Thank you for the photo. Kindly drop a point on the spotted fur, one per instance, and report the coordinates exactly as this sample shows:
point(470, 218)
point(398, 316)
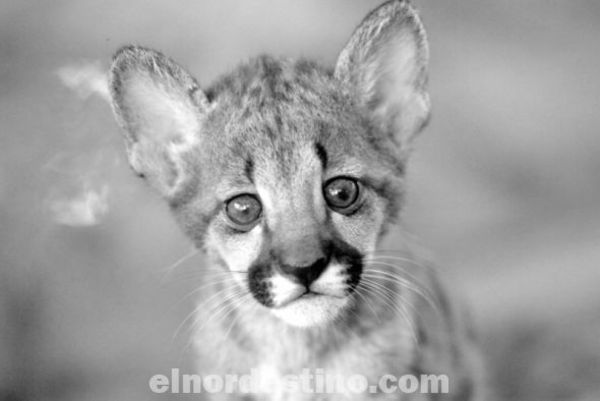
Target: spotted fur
point(306, 287)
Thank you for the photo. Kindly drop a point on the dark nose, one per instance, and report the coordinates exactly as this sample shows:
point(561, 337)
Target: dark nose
point(305, 275)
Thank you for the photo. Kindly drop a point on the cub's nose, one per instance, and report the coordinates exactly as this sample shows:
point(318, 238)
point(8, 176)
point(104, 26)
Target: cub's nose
point(305, 275)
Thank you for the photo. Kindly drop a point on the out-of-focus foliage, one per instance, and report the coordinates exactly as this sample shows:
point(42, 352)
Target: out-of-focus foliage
point(504, 185)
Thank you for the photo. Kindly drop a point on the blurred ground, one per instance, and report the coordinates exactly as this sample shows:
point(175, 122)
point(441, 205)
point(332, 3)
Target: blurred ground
point(504, 186)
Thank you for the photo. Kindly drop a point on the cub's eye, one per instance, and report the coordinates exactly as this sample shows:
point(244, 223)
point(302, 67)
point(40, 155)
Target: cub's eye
point(243, 210)
point(341, 193)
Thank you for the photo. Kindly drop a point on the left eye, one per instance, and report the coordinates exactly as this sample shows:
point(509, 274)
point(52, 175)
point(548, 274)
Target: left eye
point(341, 193)
point(243, 210)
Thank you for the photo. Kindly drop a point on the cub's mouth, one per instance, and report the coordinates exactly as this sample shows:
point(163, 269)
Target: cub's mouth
point(309, 294)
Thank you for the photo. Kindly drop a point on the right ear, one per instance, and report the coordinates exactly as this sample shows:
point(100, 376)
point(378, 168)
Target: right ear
point(384, 65)
point(161, 108)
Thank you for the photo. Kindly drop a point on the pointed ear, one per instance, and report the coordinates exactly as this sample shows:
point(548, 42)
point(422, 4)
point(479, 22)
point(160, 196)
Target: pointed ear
point(384, 65)
point(160, 107)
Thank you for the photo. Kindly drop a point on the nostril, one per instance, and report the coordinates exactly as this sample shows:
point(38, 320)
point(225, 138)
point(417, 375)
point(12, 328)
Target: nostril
point(306, 274)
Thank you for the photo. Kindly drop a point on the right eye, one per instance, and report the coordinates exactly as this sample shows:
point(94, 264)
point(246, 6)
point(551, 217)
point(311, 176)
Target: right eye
point(341, 193)
point(243, 210)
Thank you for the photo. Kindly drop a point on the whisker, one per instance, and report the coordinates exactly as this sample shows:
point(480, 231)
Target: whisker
point(396, 268)
point(390, 291)
point(222, 304)
point(196, 273)
point(378, 255)
point(412, 262)
point(429, 301)
point(416, 285)
point(397, 306)
point(222, 280)
point(357, 290)
point(201, 274)
point(422, 292)
point(225, 307)
point(169, 269)
point(382, 261)
point(197, 308)
point(241, 303)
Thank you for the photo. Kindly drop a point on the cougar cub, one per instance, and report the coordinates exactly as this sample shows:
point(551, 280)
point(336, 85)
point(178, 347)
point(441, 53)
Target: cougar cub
point(287, 174)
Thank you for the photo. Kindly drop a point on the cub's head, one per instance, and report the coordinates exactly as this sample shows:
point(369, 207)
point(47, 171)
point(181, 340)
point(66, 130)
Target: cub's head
point(285, 172)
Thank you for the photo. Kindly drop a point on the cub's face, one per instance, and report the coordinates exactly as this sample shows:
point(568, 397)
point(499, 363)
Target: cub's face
point(284, 172)
point(292, 188)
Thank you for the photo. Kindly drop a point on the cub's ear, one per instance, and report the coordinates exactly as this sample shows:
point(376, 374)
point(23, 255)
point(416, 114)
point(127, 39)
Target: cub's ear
point(160, 107)
point(384, 65)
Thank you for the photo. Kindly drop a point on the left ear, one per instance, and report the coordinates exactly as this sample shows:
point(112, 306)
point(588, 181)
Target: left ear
point(384, 65)
point(160, 107)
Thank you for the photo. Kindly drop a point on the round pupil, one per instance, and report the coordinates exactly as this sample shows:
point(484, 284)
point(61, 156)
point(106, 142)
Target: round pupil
point(342, 192)
point(244, 209)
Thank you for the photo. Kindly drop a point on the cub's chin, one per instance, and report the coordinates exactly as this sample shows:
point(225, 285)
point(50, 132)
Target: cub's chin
point(312, 310)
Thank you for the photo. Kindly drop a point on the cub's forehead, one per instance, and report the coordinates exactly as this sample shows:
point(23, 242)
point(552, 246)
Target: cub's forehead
point(273, 113)
point(275, 106)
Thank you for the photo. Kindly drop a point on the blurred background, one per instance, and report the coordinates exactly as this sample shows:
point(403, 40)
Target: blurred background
point(504, 185)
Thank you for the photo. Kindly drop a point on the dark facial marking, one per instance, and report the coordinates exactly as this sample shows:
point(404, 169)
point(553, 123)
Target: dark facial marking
point(249, 169)
point(258, 284)
point(322, 154)
point(348, 256)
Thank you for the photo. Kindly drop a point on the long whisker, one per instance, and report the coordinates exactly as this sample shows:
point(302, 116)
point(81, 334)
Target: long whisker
point(434, 307)
point(370, 280)
point(196, 273)
point(197, 308)
point(379, 255)
point(357, 290)
point(215, 310)
point(411, 262)
point(201, 274)
point(169, 269)
point(219, 312)
point(398, 306)
point(241, 303)
point(222, 280)
point(223, 306)
point(402, 267)
point(397, 269)
point(417, 287)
